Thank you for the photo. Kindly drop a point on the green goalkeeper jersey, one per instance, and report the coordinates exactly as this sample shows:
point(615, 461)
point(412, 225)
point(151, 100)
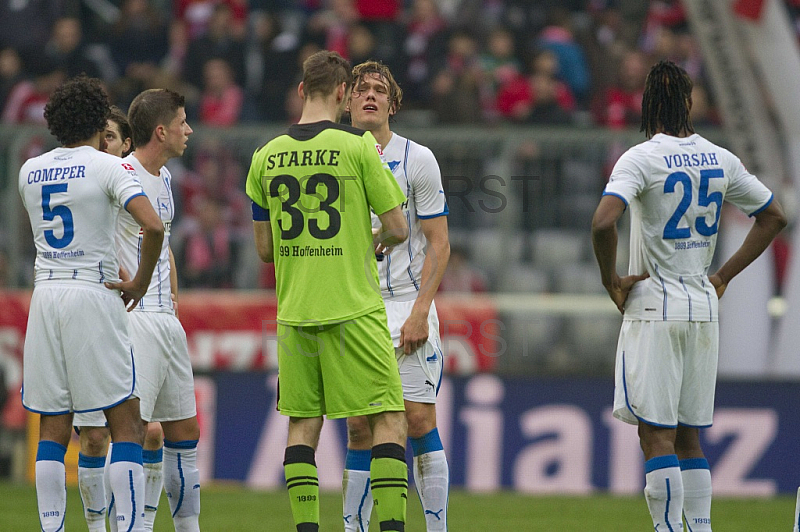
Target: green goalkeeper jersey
point(316, 185)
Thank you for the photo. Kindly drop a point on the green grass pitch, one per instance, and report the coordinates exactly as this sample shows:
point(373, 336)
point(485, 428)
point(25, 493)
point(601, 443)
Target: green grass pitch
point(233, 508)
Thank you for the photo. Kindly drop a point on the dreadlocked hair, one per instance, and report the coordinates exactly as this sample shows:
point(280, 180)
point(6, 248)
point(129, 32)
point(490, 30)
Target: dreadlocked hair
point(665, 102)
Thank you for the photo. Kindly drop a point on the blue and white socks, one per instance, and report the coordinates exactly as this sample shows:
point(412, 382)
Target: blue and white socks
point(91, 483)
point(51, 485)
point(431, 475)
point(182, 484)
point(153, 484)
point(357, 497)
point(432, 478)
point(127, 484)
point(696, 494)
point(663, 491)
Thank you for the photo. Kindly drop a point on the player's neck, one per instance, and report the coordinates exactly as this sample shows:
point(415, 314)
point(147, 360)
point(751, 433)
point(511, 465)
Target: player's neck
point(681, 135)
point(93, 141)
point(383, 135)
point(317, 110)
point(151, 157)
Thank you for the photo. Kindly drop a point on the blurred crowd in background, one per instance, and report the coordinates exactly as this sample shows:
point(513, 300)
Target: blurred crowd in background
point(578, 63)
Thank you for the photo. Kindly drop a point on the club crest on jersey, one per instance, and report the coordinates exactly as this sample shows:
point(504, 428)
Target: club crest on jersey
point(129, 167)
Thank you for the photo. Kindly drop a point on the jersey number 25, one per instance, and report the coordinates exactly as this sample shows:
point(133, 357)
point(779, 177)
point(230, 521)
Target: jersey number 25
point(704, 199)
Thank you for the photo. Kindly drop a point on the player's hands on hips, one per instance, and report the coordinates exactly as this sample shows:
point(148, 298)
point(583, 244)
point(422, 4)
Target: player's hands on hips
point(719, 284)
point(620, 287)
point(414, 332)
point(131, 291)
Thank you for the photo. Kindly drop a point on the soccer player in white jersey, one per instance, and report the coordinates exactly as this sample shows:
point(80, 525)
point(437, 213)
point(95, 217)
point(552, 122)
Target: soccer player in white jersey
point(410, 275)
point(160, 132)
point(666, 366)
point(77, 355)
point(91, 426)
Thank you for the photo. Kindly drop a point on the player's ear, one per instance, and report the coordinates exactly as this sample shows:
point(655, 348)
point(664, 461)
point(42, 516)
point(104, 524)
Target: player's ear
point(300, 91)
point(341, 92)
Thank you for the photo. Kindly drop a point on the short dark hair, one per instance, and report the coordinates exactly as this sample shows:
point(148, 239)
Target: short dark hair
point(77, 110)
point(150, 109)
point(119, 118)
point(665, 102)
point(376, 67)
point(323, 71)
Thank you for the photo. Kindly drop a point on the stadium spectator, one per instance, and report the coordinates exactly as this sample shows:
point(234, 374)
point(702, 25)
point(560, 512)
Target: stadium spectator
point(271, 58)
point(424, 47)
point(461, 275)
point(219, 42)
point(539, 98)
point(138, 39)
point(67, 50)
point(175, 60)
point(499, 67)
point(328, 28)
point(456, 88)
point(197, 15)
point(558, 36)
point(26, 101)
point(222, 99)
point(209, 252)
point(10, 72)
point(621, 104)
point(26, 25)
point(361, 44)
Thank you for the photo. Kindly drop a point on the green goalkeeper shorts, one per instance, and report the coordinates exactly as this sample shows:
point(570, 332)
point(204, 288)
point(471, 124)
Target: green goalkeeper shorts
point(339, 370)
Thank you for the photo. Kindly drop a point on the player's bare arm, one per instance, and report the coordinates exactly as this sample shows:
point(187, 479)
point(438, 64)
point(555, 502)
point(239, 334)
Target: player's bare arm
point(414, 332)
point(263, 235)
point(173, 281)
point(766, 227)
point(394, 228)
point(604, 240)
point(153, 236)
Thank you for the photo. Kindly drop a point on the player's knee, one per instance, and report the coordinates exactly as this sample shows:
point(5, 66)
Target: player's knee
point(94, 441)
point(359, 435)
point(154, 437)
point(420, 423)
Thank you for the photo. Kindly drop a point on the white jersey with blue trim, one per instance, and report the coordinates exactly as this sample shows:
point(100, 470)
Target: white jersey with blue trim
point(129, 237)
point(675, 188)
point(73, 197)
point(417, 172)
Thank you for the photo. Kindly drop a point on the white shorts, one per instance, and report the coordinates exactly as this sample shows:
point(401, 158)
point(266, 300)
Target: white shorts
point(163, 370)
point(421, 371)
point(666, 373)
point(78, 356)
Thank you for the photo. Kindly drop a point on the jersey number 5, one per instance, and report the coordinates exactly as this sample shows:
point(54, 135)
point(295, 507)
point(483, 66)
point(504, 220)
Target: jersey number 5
point(704, 199)
point(61, 211)
point(296, 212)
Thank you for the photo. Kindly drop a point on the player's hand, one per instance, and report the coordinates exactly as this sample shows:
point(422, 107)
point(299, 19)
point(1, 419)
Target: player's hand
point(380, 249)
point(414, 332)
point(131, 291)
point(123, 274)
point(620, 287)
point(719, 285)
